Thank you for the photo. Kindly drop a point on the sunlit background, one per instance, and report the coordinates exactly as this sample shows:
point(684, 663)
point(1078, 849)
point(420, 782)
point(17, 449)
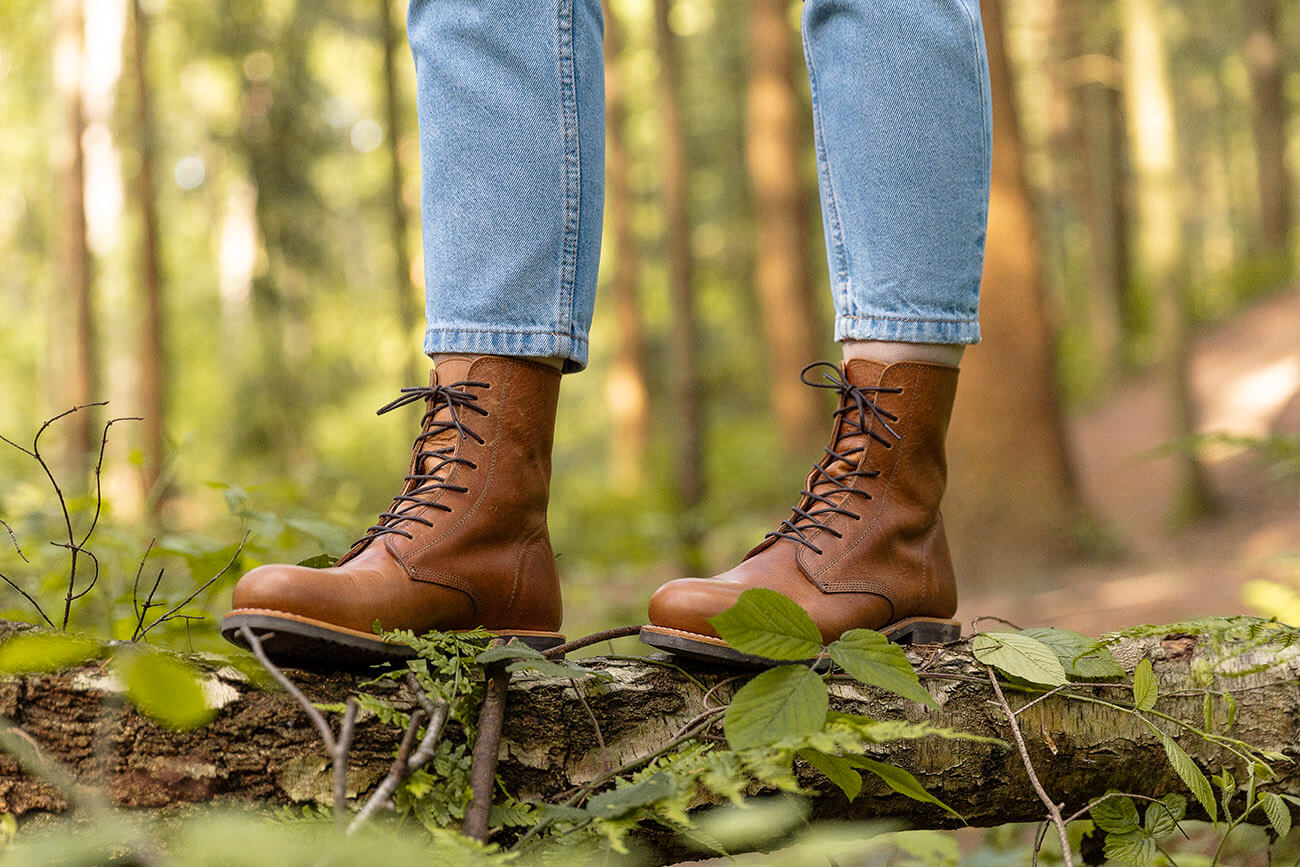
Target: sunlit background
point(209, 219)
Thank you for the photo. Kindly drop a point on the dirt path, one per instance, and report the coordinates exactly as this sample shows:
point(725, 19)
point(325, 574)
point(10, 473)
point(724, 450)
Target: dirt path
point(1246, 373)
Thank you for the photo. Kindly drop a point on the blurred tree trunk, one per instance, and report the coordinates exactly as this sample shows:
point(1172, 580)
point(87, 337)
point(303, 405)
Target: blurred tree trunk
point(152, 335)
point(1012, 479)
point(685, 342)
point(77, 314)
point(1155, 162)
point(409, 313)
point(627, 393)
point(774, 138)
point(1096, 135)
point(1269, 118)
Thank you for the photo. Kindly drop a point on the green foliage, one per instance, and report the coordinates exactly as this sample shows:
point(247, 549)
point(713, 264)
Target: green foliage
point(38, 651)
point(783, 702)
point(1145, 690)
point(1083, 658)
point(1019, 656)
point(766, 624)
point(163, 687)
point(871, 658)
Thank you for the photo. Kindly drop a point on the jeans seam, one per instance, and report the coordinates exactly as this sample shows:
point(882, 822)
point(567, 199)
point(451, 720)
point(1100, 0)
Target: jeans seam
point(842, 278)
point(886, 317)
point(572, 164)
point(977, 42)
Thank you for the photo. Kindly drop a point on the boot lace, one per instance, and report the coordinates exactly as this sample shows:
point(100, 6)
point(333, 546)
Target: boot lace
point(817, 507)
point(425, 481)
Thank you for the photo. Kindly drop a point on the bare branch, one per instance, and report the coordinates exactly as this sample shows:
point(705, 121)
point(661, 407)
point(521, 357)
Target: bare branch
point(487, 747)
point(15, 541)
point(594, 638)
point(595, 725)
point(28, 597)
point(340, 759)
point(1053, 809)
point(317, 718)
point(188, 599)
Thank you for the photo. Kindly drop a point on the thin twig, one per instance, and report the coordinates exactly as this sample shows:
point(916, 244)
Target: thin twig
point(588, 640)
point(28, 597)
point(188, 599)
point(974, 624)
point(135, 591)
point(340, 759)
point(1053, 810)
point(15, 541)
point(317, 718)
point(487, 746)
point(595, 725)
point(1048, 694)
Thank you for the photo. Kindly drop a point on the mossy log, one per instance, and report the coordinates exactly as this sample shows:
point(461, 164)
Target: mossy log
point(262, 748)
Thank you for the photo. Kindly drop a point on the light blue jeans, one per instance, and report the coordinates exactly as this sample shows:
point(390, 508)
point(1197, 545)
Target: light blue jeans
point(511, 107)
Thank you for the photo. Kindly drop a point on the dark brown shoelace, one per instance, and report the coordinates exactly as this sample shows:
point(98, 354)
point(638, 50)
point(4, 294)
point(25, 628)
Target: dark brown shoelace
point(425, 481)
point(855, 405)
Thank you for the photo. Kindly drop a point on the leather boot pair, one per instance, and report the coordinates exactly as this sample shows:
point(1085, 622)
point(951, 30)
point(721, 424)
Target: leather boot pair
point(463, 545)
point(865, 546)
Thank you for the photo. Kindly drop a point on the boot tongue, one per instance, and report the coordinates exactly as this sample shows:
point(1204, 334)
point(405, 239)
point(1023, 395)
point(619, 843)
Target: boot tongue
point(848, 438)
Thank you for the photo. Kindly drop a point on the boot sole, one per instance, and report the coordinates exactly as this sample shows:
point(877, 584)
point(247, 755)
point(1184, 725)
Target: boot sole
point(709, 648)
point(315, 644)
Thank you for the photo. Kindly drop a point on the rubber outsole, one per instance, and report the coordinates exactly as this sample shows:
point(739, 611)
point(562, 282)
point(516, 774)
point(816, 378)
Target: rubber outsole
point(708, 648)
point(311, 644)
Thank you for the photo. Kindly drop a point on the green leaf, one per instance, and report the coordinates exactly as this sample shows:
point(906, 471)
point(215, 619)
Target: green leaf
point(36, 652)
point(1133, 847)
point(1189, 773)
point(1232, 709)
point(787, 701)
point(1083, 658)
point(873, 659)
point(765, 623)
point(621, 801)
point(838, 770)
point(1162, 819)
point(1279, 815)
point(1145, 691)
point(320, 561)
point(1115, 815)
point(525, 658)
point(900, 781)
point(164, 688)
point(1019, 656)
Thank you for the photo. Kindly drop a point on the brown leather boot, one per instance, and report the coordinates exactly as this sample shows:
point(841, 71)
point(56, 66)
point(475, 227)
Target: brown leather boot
point(865, 547)
point(463, 545)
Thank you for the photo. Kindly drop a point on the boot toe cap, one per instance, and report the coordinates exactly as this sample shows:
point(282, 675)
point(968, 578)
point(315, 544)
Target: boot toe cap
point(688, 603)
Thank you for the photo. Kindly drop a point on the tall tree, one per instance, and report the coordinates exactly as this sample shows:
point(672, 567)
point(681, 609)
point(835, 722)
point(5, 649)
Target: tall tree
point(407, 305)
point(1269, 119)
point(1012, 478)
point(152, 350)
point(774, 140)
point(79, 380)
point(685, 340)
point(627, 393)
point(1152, 135)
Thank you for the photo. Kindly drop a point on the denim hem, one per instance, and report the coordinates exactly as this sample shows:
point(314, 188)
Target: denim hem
point(955, 331)
point(535, 343)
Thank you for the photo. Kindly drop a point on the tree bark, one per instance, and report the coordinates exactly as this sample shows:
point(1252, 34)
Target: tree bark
point(1269, 119)
point(79, 384)
point(688, 416)
point(626, 390)
point(407, 302)
point(1152, 134)
point(261, 747)
point(1011, 473)
point(774, 137)
point(153, 350)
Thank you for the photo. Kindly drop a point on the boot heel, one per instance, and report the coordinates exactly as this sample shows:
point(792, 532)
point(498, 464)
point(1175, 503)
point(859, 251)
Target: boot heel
point(923, 630)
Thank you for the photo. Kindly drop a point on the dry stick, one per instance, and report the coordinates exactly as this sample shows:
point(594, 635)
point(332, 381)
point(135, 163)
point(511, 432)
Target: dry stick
point(335, 748)
point(206, 584)
point(15, 540)
point(600, 736)
point(483, 766)
point(1053, 810)
point(404, 766)
point(588, 640)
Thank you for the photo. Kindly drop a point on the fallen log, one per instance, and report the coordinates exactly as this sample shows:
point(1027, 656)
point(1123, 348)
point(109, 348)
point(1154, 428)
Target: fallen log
point(262, 748)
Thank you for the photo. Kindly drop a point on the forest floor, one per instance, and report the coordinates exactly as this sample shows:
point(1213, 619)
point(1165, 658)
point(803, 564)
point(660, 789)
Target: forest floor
point(1246, 375)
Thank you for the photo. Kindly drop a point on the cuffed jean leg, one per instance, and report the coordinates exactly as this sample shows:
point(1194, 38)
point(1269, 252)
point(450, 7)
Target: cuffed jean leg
point(903, 133)
point(511, 108)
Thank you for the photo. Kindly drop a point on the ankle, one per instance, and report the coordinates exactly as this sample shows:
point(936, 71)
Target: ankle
point(889, 351)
